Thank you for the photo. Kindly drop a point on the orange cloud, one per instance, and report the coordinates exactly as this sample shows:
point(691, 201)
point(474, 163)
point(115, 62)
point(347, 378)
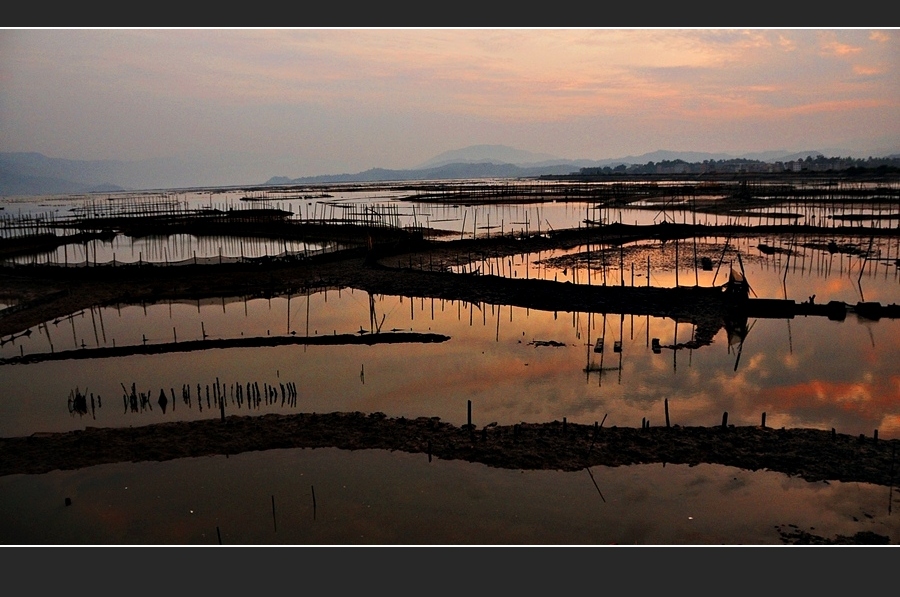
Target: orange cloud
point(786, 44)
point(869, 397)
point(867, 71)
point(837, 106)
point(840, 49)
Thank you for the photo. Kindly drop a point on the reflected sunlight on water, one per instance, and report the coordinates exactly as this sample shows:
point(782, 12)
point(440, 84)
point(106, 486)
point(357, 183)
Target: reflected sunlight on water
point(514, 365)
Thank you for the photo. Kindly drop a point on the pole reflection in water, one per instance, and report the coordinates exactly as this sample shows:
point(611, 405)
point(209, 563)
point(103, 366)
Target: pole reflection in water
point(526, 366)
point(373, 497)
point(512, 363)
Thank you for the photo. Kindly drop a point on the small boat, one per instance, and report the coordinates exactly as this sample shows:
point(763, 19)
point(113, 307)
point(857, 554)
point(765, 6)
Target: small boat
point(598, 347)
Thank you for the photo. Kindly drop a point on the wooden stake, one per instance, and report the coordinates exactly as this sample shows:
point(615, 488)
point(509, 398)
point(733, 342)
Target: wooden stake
point(667, 412)
point(725, 419)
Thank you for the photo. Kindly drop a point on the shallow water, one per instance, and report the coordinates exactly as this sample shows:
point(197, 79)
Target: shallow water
point(396, 205)
point(806, 371)
point(801, 372)
point(370, 497)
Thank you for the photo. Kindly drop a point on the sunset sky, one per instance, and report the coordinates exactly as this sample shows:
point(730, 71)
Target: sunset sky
point(256, 103)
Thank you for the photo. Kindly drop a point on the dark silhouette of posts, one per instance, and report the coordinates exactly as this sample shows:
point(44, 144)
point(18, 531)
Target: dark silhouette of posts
point(667, 413)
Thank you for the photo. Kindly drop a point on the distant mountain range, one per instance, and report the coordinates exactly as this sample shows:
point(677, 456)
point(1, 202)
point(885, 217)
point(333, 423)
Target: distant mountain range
point(501, 161)
point(453, 171)
point(37, 174)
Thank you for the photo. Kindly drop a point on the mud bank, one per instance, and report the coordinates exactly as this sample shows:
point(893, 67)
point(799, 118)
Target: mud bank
point(248, 342)
point(814, 455)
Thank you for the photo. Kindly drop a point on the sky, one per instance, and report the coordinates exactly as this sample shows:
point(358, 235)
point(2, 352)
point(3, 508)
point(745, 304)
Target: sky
point(253, 103)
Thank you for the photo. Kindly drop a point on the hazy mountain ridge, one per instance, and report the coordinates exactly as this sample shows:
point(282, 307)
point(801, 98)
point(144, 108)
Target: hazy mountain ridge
point(493, 154)
point(31, 173)
point(453, 171)
point(501, 161)
point(36, 174)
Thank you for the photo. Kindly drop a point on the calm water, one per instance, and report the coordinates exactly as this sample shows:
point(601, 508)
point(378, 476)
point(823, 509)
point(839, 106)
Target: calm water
point(803, 372)
point(377, 498)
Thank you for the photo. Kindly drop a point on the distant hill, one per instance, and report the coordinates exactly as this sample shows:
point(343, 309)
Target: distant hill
point(452, 171)
point(503, 154)
point(502, 161)
point(37, 174)
point(663, 155)
point(488, 154)
point(12, 183)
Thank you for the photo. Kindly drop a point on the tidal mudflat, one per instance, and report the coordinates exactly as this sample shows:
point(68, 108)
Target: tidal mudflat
point(579, 339)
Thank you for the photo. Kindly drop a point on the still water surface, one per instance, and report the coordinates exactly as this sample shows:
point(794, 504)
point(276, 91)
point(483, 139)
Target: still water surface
point(802, 372)
point(327, 497)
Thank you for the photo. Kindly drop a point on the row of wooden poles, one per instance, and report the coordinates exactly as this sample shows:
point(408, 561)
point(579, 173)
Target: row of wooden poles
point(379, 215)
point(92, 213)
point(216, 396)
point(645, 424)
point(836, 190)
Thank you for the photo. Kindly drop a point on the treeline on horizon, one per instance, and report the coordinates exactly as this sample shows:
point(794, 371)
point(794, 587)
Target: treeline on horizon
point(844, 165)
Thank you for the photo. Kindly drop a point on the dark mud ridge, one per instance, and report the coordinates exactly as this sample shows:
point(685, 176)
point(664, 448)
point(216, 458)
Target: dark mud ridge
point(246, 342)
point(814, 455)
